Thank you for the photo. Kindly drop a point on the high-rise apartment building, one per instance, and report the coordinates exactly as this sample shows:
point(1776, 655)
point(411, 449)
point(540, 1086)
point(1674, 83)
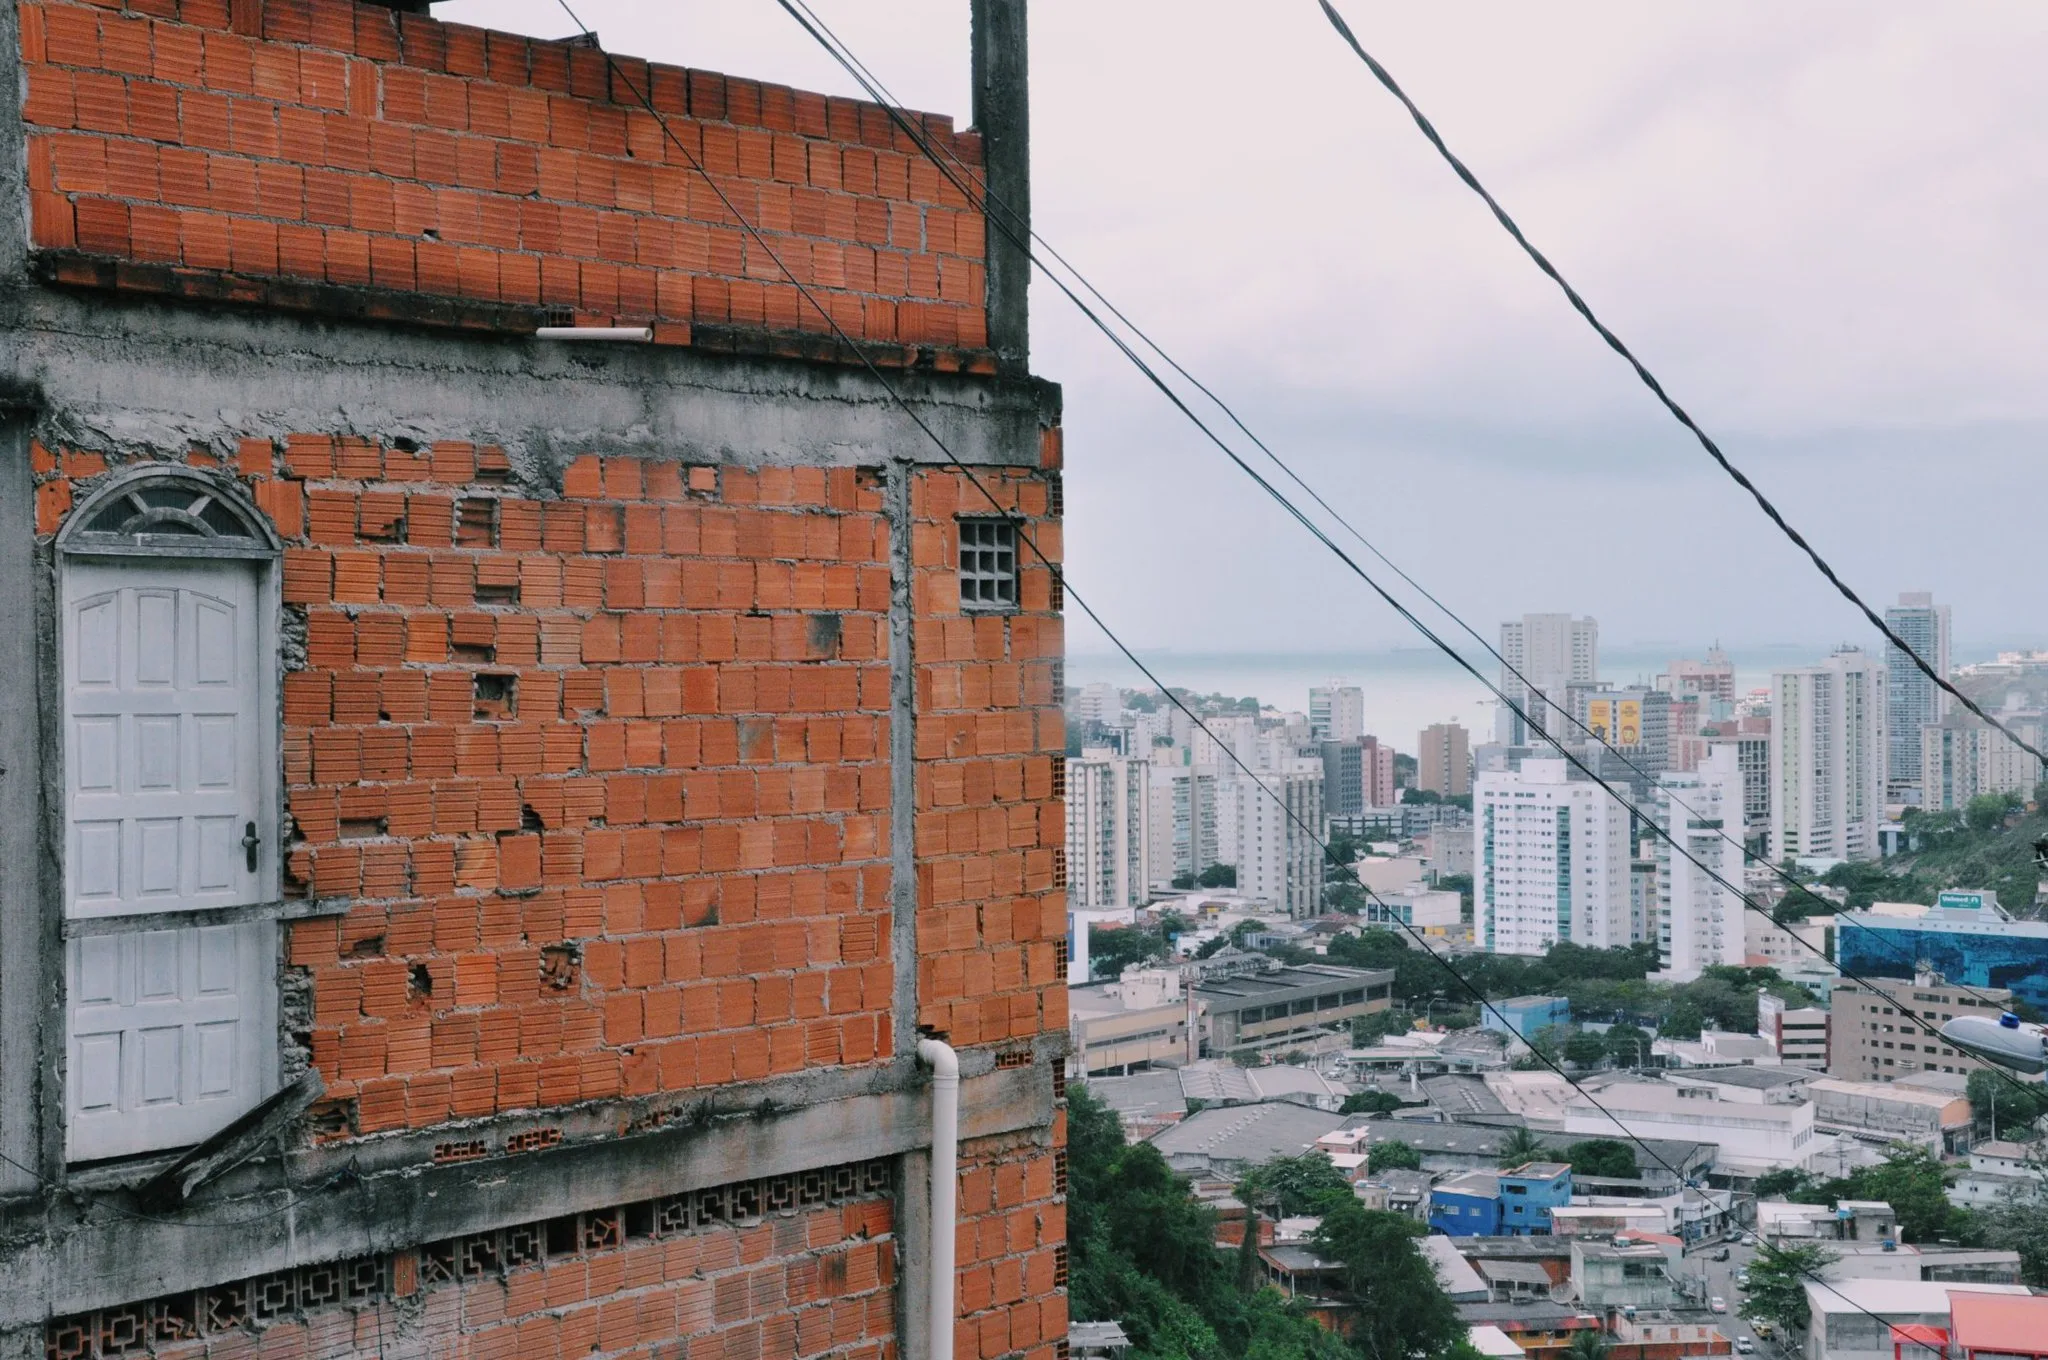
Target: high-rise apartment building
point(1828, 758)
point(1712, 680)
point(1879, 1028)
point(1962, 757)
point(1443, 760)
point(1699, 897)
point(1097, 703)
point(1551, 652)
point(1278, 820)
point(1184, 821)
point(1751, 740)
point(1109, 816)
point(1343, 778)
point(1376, 770)
point(1552, 861)
point(1336, 712)
point(1631, 734)
point(1913, 702)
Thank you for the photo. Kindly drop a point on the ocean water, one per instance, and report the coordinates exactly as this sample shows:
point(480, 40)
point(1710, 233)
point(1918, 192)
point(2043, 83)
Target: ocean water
point(1406, 689)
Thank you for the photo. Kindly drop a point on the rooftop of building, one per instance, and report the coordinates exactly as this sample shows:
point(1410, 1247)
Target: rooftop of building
point(1479, 1184)
point(1657, 1097)
point(1538, 1171)
point(1896, 1298)
point(1491, 1341)
point(1507, 1271)
point(2011, 1151)
point(1525, 1002)
point(1891, 1091)
point(1247, 1133)
point(1215, 1079)
point(1140, 1093)
point(1529, 1247)
point(1301, 977)
point(1753, 1078)
point(1456, 1095)
point(1632, 1249)
point(2000, 1324)
point(1100, 1000)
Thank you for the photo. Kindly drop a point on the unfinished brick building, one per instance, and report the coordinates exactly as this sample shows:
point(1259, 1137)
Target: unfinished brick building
point(487, 819)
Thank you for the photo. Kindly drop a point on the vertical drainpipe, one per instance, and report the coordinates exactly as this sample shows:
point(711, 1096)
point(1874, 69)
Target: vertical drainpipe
point(1002, 115)
point(945, 1065)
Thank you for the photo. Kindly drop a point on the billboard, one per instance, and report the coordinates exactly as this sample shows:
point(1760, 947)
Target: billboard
point(1619, 722)
point(1600, 717)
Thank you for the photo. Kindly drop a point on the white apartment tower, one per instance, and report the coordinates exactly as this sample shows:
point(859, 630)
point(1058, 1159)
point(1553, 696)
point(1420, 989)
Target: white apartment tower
point(1552, 652)
point(1963, 757)
point(1551, 861)
point(1699, 921)
point(1336, 712)
point(1828, 758)
point(1109, 814)
point(1184, 810)
point(1912, 701)
point(1278, 857)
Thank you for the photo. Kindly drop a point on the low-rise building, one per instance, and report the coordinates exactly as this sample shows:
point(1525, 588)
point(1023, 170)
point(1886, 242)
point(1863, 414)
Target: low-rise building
point(1881, 1027)
point(2000, 1173)
point(1430, 910)
point(1997, 1327)
point(1286, 1005)
point(1624, 1272)
point(1228, 1140)
point(1854, 1319)
point(1798, 1033)
point(1514, 1203)
point(1885, 1112)
point(1779, 1222)
point(1218, 1081)
point(1396, 1192)
point(1752, 1138)
point(1134, 1021)
point(1524, 1016)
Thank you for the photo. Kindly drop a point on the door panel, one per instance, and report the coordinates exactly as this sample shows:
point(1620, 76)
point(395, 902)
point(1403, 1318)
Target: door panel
point(171, 1032)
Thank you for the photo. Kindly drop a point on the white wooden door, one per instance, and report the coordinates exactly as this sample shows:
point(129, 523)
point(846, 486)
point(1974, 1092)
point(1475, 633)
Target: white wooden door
point(170, 1030)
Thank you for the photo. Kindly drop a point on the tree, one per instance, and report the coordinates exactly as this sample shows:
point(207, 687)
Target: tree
point(1987, 811)
point(1183, 881)
point(1628, 1045)
point(1402, 1309)
point(1914, 1183)
point(1111, 949)
point(1370, 1102)
point(2017, 1104)
point(1520, 1146)
point(1421, 796)
point(1585, 1049)
point(1783, 1183)
point(1392, 1155)
point(1218, 876)
point(2019, 1225)
point(1305, 1184)
point(1548, 1043)
point(1370, 1028)
point(1777, 1285)
point(1588, 1344)
point(1603, 1157)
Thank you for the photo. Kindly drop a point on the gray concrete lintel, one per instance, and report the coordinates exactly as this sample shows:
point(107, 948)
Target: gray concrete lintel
point(143, 376)
point(105, 1257)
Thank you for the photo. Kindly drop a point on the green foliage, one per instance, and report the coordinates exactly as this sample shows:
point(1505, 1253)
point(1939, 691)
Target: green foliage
point(1183, 881)
point(1369, 1029)
point(1585, 1049)
point(1777, 1285)
point(1111, 949)
point(1783, 1183)
point(1987, 811)
point(1627, 1045)
point(1370, 1102)
point(1910, 1179)
point(1305, 1184)
point(1218, 876)
point(1392, 1155)
point(1521, 1145)
point(1402, 1310)
point(2018, 1104)
point(1420, 797)
point(2018, 1225)
point(1603, 1157)
point(1969, 848)
point(1588, 1344)
point(1211, 947)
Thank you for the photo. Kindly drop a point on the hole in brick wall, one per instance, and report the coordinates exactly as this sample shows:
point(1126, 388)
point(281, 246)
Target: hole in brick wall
point(419, 980)
point(492, 465)
point(497, 697)
point(640, 1219)
point(529, 820)
point(385, 526)
point(1055, 495)
point(564, 1235)
point(476, 522)
point(533, 1140)
point(367, 947)
point(561, 316)
point(466, 1150)
point(404, 444)
point(1059, 1081)
point(362, 828)
point(1059, 1172)
point(561, 965)
point(1020, 1057)
point(1059, 776)
point(497, 592)
point(331, 1118)
point(473, 653)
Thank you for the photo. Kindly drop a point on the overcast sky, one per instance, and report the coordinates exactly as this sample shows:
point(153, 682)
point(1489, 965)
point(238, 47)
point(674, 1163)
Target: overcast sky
point(1822, 225)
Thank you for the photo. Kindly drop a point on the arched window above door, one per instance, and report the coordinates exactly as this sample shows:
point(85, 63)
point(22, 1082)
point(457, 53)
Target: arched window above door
point(168, 511)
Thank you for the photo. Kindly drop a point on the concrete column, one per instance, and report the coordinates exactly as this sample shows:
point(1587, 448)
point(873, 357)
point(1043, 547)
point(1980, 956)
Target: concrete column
point(1002, 114)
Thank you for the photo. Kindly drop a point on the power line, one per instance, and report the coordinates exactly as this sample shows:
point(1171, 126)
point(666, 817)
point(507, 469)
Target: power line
point(1649, 380)
point(940, 156)
point(1024, 536)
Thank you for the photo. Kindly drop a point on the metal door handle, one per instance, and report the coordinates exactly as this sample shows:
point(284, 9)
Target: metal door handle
point(250, 845)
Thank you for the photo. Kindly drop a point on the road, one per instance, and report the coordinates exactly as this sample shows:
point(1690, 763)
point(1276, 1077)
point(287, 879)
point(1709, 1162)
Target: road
point(1720, 1277)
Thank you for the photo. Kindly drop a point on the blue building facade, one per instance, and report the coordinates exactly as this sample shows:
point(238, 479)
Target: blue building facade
point(1513, 1203)
point(1966, 937)
point(1526, 1015)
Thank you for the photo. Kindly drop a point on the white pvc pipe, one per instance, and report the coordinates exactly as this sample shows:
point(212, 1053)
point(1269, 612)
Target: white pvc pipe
point(631, 334)
point(945, 1065)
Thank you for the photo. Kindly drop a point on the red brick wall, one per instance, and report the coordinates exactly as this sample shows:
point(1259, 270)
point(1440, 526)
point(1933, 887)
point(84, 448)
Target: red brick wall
point(1010, 1249)
point(322, 141)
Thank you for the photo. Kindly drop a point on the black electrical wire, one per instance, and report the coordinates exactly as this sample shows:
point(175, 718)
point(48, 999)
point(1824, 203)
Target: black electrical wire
point(1005, 222)
point(1649, 380)
point(1025, 538)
